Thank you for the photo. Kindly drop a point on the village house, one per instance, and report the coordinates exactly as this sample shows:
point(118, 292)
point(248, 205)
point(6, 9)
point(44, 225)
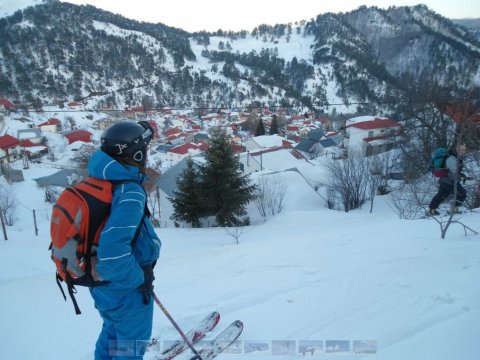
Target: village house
point(6, 106)
point(316, 144)
point(34, 135)
point(179, 152)
point(10, 149)
point(171, 132)
point(467, 117)
point(78, 135)
point(32, 150)
point(273, 158)
point(373, 135)
point(263, 142)
point(52, 125)
point(102, 124)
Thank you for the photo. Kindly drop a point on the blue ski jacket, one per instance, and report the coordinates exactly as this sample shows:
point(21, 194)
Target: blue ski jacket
point(117, 262)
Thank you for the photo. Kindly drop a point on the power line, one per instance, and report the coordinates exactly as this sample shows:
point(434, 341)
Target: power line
point(216, 108)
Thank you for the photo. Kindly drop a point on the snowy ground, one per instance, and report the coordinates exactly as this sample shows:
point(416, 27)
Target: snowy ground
point(308, 274)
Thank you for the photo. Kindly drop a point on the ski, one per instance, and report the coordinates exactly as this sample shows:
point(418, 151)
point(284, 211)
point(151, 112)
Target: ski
point(194, 335)
point(221, 342)
point(443, 214)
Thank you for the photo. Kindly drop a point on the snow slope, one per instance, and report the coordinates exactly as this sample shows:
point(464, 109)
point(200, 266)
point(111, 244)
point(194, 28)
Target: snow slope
point(307, 274)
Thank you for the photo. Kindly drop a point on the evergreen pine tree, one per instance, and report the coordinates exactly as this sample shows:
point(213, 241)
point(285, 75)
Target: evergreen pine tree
point(274, 126)
point(226, 189)
point(187, 202)
point(260, 130)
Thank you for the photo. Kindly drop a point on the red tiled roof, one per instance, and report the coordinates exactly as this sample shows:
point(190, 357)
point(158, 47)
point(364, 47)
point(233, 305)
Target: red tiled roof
point(51, 121)
point(460, 111)
point(175, 136)
point(373, 138)
point(171, 132)
point(8, 141)
point(375, 124)
point(203, 146)
point(79, 135)
point(297, 117)
point(27, 143)
point(236, 148)
point(74, 103)
point(7, 103)
point(286, 144)
point(183, 149)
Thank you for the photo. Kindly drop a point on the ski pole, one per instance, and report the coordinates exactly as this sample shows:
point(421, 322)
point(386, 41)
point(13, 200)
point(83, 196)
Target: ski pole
point(182, 334)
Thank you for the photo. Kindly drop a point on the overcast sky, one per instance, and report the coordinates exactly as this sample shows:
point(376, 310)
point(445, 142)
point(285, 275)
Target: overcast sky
point(211, 15)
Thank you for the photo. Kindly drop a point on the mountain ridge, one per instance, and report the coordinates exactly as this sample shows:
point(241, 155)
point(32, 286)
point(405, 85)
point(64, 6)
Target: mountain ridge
point(59, 51)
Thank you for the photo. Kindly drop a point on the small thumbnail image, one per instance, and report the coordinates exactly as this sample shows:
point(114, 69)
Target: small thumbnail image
point(310, 347)
point(169, 344)
point(284, 347)
point(152, 347)
point(234, 349)
point(205, 345)
point(337, 346)
point(121, 348)
point(364, 347)
point(257, 347)
point(148, 348)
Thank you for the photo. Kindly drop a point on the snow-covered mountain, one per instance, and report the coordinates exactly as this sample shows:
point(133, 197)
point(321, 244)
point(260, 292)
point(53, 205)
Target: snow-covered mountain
point(59, 51)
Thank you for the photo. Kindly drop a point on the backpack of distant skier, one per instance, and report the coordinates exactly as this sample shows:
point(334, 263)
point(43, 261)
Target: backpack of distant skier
point(437, 166)
point(78, 217)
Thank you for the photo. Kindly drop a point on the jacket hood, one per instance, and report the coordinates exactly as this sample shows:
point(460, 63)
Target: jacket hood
point(103, 166)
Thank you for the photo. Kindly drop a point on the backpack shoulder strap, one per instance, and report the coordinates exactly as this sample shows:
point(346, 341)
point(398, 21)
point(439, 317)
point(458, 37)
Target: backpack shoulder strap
point(146, 211)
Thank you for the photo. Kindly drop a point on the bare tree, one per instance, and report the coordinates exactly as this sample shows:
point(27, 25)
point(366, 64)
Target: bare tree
point(270, 197)
point(349, 178)
point(236, 232)
point(8, 204)
point(332, 197)
point(83, 155)
point(411, 198)
point(426, 129)
point(379, 166)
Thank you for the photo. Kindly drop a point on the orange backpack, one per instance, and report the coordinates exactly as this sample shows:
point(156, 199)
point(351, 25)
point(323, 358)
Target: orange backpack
point(78, 217)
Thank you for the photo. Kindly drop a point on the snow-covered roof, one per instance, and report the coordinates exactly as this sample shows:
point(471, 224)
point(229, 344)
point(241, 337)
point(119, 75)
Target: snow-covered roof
point(360, 119)
point(266, 141)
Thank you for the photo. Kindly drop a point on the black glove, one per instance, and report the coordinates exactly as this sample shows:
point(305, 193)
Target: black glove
point(147, 287)
point(462, 177)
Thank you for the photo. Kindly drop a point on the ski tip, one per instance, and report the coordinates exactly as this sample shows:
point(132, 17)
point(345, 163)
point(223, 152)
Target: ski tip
point(216, 318)
point(238, 323)
point(215, 314)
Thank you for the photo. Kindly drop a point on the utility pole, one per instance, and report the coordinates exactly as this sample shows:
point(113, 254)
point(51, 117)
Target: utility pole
point(3, 224)
point(158, 204)
point(35, 222)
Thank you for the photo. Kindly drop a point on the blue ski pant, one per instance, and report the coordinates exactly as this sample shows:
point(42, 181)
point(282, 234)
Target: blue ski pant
point(127, 325)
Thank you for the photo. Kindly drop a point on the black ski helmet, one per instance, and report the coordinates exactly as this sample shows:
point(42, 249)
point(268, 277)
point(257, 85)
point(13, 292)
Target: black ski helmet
point(128, 140)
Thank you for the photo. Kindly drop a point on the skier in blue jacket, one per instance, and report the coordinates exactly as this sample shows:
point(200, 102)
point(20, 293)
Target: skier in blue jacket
point(125, 302)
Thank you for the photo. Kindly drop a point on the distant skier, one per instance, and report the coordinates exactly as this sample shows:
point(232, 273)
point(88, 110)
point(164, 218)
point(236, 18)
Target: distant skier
point(447, 182)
